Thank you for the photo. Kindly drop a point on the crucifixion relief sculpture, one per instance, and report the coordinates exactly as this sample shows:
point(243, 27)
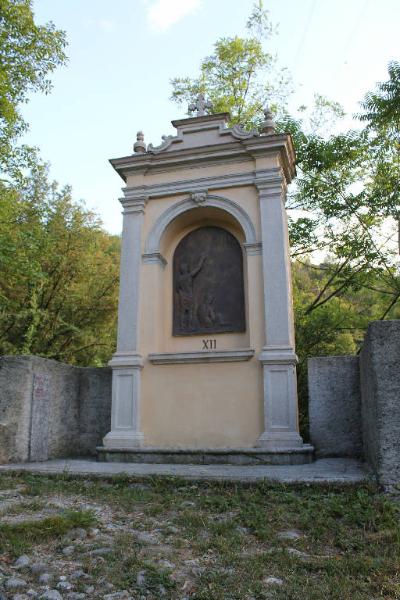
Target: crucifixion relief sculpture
point(208, 283)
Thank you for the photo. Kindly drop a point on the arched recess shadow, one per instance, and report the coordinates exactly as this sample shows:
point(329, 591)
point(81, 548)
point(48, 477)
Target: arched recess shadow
point(152, 246)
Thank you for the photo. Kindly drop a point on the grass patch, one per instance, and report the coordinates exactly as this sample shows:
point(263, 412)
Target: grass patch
point(222, 538)
point(17, 538)
point(126, 568)
point(23, 507)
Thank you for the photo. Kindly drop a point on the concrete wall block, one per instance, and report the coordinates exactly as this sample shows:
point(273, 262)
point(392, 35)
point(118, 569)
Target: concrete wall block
point(95, 407)
point(380, 391)
point(49, 409)
point(335, 406)
point(16, 380)
point(63, 408)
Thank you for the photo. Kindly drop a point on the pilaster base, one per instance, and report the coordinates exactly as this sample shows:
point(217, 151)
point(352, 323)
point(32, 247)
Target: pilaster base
point(125, 431)
point(123, 440)
point(280, 399)
point(278, 440)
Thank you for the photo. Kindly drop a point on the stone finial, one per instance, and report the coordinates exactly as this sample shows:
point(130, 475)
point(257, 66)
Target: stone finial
point(201, 105)
point(139, 146)
point(268, 126)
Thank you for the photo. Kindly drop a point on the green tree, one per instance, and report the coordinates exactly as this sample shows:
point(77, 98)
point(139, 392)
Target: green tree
point(382, 117)
point(59, 276)
point(239, 76)
point(58, 267)
point(382, 107)
point(28, 53)
point(348, 190)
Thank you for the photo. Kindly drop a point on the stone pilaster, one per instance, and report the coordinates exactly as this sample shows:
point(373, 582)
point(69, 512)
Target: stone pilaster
point(127, 362)
point(278, 356)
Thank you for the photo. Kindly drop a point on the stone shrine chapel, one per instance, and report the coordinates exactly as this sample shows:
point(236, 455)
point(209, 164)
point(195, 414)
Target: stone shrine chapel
point(205, 361)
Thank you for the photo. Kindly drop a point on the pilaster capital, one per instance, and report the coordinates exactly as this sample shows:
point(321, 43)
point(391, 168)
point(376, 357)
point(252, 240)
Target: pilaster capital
point(133, 205)
point(154, 258)
point(270, 182)
point(253, 248)
point(271, 355)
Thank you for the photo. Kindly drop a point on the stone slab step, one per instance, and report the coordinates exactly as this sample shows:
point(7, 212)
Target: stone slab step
point(334, 471)
point(209, 456)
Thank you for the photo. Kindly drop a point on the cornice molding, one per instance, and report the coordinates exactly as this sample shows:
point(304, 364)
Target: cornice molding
point(247, 146)
point(201, 356)
point(200, 184)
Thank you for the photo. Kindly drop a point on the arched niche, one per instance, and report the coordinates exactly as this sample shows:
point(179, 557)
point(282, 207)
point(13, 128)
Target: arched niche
point(208, 283)
point(207, 216)
point(159, 300)
point(212, 207)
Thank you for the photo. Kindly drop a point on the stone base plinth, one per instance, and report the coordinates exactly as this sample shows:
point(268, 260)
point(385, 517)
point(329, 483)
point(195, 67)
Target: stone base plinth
point(208, 456)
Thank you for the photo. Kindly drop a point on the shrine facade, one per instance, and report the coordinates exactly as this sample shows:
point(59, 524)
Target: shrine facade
point(205, 354)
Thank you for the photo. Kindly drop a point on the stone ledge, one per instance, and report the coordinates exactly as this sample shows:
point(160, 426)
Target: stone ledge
point(209, 456)
point(336, 471)
point(200, 356)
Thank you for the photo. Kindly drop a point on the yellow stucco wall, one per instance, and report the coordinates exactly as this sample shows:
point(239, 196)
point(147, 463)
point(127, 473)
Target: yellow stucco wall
point(212, 405)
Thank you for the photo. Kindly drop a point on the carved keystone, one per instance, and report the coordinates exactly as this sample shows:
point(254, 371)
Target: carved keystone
point(198, 197)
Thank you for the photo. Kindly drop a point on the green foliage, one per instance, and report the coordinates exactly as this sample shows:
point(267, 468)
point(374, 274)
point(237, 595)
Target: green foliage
point(58, 267)
point(382, 115)
point(382, 107)
point(28, 53)
point(59, 275)
point(348, 193)
point(237, 77)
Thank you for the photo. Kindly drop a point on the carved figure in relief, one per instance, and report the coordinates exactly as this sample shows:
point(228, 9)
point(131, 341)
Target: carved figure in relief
point(184, 289)
point(206, 311)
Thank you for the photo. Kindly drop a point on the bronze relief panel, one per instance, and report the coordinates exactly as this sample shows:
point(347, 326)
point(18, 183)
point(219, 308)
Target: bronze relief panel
point(208, 283)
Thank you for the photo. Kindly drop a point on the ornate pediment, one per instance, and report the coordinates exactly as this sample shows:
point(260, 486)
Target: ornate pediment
point(201, 130)
point(207, 130)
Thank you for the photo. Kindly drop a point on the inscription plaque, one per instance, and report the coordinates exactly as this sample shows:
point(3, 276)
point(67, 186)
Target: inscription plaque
point(208, 283)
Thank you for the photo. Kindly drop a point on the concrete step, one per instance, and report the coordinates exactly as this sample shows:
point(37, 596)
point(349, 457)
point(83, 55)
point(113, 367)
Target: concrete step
point(209, 456)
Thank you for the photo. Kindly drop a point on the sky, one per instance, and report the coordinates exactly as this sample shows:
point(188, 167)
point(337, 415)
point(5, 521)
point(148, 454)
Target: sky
point(122, 55)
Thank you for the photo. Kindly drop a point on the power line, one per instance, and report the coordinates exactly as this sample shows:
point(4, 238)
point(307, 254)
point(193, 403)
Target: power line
point(352, 35)
point(356, 27)
point(303, 37)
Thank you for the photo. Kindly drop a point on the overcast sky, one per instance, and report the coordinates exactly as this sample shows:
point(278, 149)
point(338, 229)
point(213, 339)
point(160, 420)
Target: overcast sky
point(122, 55)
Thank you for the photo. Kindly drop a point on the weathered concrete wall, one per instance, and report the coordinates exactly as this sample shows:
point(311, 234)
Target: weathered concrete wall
point(94, 407)
point(16, 382)
point(380, 404)
point(48, 409)
point(355, 403)
point(334, 406)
